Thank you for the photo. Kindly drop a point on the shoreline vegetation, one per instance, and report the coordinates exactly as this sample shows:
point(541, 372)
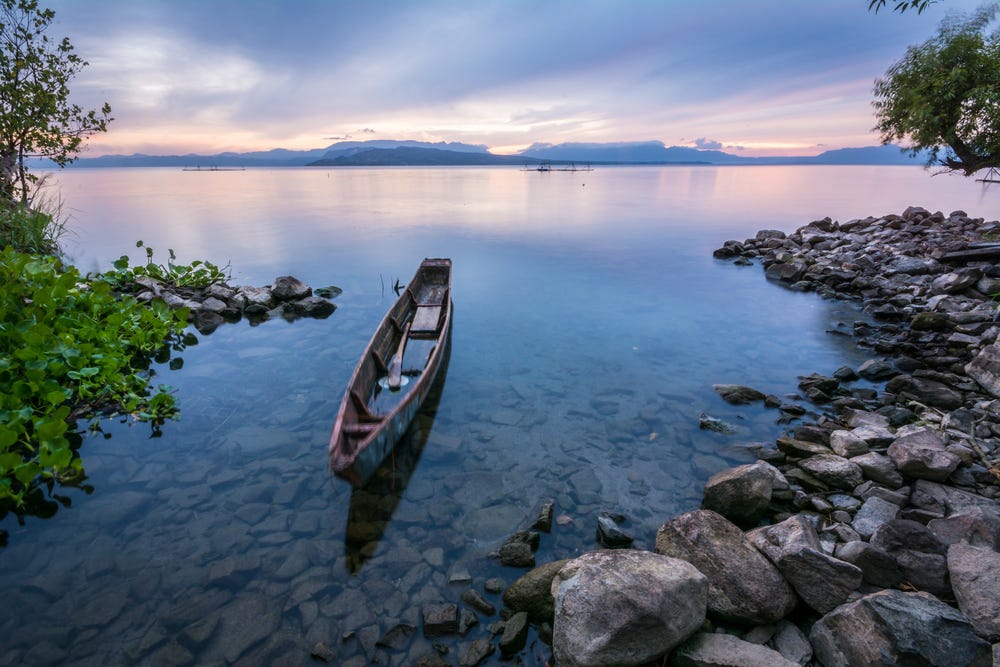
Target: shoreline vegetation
point(82, 348)
point(868, 533)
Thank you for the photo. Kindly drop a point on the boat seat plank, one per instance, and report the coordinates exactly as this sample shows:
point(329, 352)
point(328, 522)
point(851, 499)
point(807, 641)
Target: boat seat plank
point(360, 429)
point(426, 319)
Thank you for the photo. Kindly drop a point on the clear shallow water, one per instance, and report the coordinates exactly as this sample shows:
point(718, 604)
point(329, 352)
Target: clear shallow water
point(590, 323)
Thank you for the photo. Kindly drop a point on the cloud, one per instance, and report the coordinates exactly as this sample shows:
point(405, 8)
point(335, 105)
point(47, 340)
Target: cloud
point(707, 144)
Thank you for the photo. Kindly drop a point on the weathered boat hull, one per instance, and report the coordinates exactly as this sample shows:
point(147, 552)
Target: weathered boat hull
point(366, 432)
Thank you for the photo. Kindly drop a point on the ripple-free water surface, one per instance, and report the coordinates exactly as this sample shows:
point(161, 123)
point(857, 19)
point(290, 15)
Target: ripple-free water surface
point(590, 324)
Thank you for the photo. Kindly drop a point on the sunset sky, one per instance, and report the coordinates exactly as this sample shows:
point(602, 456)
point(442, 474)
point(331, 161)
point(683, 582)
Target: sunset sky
point(767, 77)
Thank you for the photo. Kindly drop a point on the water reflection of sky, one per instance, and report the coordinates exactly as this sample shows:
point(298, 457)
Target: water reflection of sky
point(590, 323)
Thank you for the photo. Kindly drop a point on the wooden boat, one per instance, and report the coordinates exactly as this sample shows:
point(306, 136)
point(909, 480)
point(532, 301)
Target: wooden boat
point(394, 375)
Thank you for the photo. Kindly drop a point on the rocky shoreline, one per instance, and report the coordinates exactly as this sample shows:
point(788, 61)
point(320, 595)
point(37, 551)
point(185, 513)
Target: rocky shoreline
point(870, 535)
point(211, 306)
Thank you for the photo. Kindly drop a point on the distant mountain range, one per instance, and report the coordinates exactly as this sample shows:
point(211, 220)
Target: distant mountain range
point(419, 153)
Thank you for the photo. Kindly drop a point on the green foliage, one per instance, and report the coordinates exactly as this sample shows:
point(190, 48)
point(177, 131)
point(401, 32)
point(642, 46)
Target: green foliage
point(901, 5)
point(36, 116)
point(28, 230)
point(199, 273)
point(943, 95)
point(69, 347)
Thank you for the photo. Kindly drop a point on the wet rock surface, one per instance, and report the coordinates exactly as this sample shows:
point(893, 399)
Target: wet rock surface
point(287, 297)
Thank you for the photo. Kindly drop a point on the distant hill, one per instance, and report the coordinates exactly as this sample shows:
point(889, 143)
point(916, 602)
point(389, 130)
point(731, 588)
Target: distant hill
point(656, 152)
point(414, 153)
point(410, 156)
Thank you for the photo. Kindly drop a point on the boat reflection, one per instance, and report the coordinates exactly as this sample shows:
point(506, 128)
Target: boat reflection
point(372, 506)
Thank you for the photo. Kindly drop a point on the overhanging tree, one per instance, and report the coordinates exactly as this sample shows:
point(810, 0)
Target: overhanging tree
point(901, 5)
point(36, 117)
point(944, 95)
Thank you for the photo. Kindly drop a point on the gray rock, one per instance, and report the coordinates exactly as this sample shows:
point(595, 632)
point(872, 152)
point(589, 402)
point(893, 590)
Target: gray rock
point(822, 581)
point(255, 296)
point(975, 578)
point(624, 607)
point(476, 652)
point(609, 534)
point(706, 649)
point(956, 281)
point(440, 619)
point(985, 369)
point(877, 567)
point(517, 554)
point(740, 494)
point(913, 266)
point(475, 599)
point(845, 443)
point(873, 514)
point(946, 500)
point(833, 470)
point(398, 637)
point(979, 526)
point(531, 593)
point(288, 288)
point(923, 390)
point(896, 628)
point(738, 394)
point(878, 468)
point(792, 643)
point(245, 622)
point(923, 454)
point(543, 520)
point(744, 586)
point(310, 306)
point(877, 370)
point(515, 634)
point(919, 555)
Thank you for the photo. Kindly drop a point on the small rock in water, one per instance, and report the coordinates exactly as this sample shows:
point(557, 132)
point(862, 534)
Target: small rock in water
point(707, 423)
point(609, 534)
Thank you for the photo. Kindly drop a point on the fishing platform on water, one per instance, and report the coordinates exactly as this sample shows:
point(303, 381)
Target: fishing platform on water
point(547, 166)
point(214, 169)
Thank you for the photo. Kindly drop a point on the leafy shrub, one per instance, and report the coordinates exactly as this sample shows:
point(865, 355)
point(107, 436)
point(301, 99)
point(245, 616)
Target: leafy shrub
point(198, 273)
point(69, 347)
point(28, 229)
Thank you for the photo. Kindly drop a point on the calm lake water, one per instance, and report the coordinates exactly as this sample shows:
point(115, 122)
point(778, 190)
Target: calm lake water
point(590, 324)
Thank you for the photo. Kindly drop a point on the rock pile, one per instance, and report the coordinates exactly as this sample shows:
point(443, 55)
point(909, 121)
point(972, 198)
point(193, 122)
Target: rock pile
point(209, 307)
point(869, 536)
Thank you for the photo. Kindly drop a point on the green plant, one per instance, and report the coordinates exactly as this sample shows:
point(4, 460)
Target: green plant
point(69, 348)
point(29, 230)
point(199, 273)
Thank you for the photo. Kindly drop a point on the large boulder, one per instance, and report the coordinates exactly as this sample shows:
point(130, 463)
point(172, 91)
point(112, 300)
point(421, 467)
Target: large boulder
point(985, 369)
point(710, 649)
point(896, 628)
point(833, 470)
point(877, 567)
point(975, 578)
point(289, 288)
point(979, 526)
point(741, 494)
point(919, 555)
point(923, 454)
point(744, 587)
point(923, 390)
point(942, 500)
point(873, 514)
point(822, 581)
point(532, 592)
point(624, 607)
